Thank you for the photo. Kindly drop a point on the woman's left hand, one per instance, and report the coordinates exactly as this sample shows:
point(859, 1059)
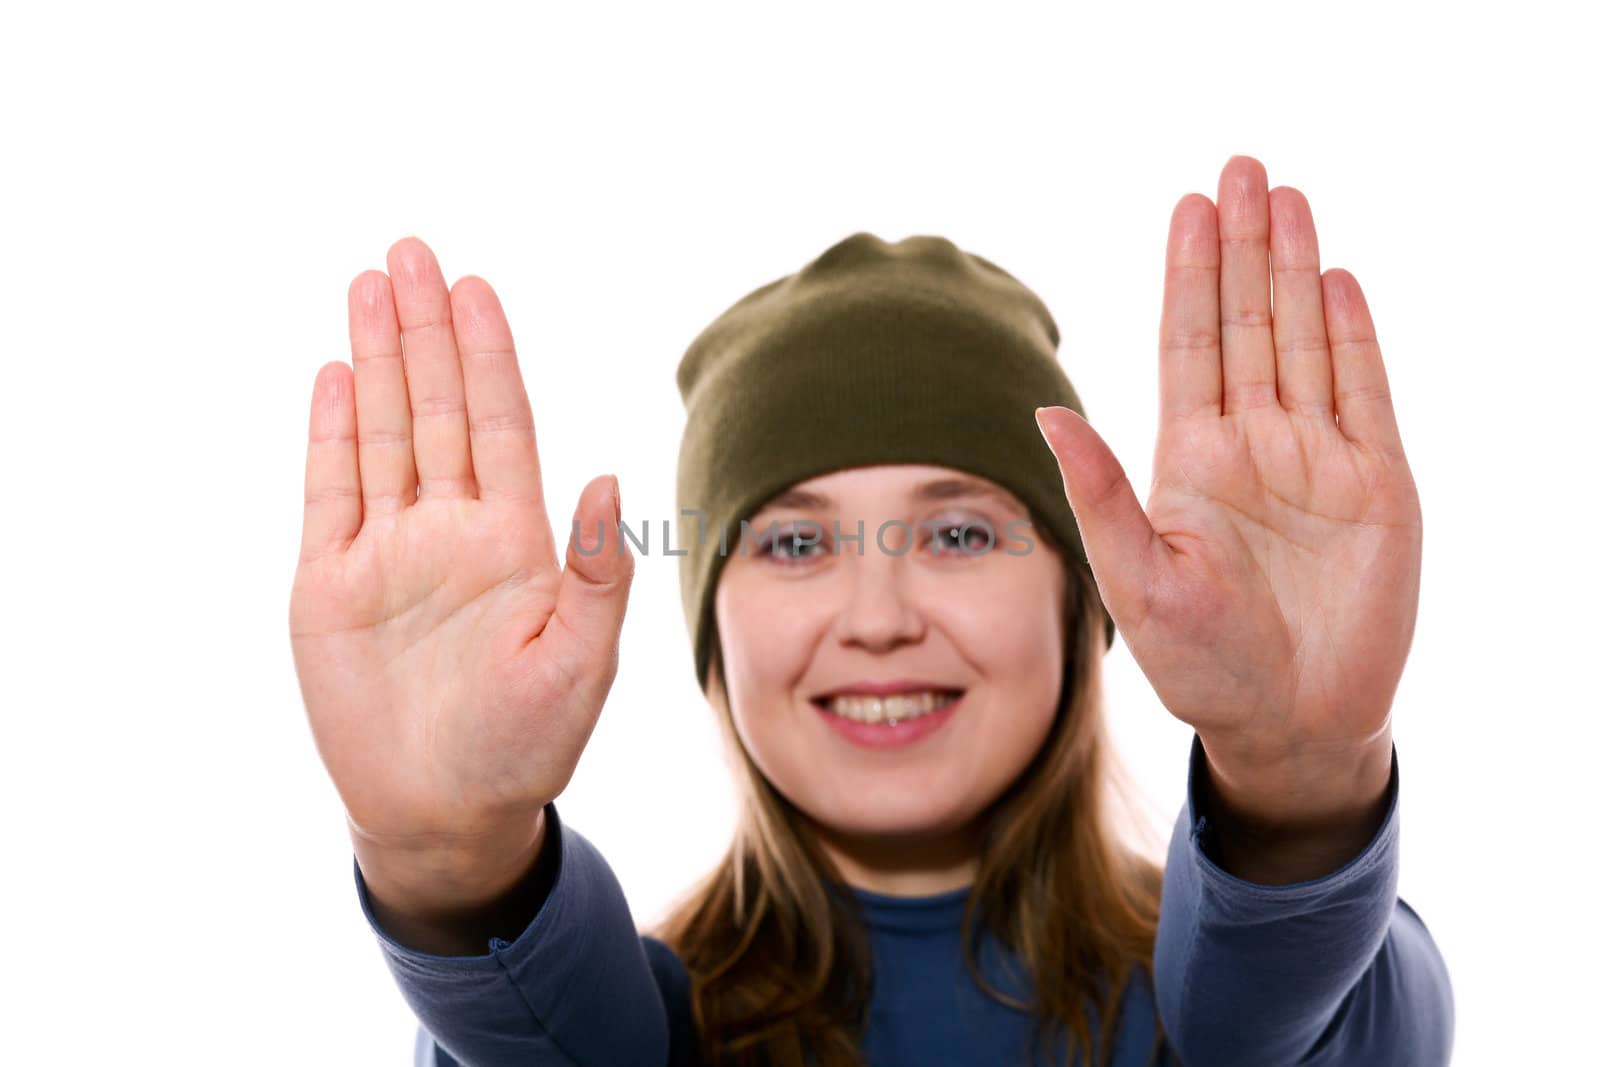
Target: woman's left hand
point(1269, 588)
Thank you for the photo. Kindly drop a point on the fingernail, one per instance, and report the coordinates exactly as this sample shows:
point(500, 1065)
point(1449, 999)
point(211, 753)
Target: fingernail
point(616, 499)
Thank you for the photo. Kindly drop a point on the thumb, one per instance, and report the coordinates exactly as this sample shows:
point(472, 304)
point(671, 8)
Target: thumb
point(1117, 537)
point(599, 569)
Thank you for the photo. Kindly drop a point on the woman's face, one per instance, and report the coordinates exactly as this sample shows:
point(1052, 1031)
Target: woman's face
point(801, 613)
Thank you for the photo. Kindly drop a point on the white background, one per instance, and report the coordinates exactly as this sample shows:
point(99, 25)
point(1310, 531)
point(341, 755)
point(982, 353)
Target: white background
point(188, 191)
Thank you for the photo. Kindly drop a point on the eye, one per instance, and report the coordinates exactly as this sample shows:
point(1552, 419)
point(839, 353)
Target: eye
point(973, 537)
point(788, 546)
point(800, 541)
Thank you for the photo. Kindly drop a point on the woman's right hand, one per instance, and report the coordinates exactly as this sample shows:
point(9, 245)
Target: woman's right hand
point(451, 669)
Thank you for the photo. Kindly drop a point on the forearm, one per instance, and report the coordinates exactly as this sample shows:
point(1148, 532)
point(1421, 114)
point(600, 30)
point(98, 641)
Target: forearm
point(451, 902)
point(1249, 973)
point(569, 983)
point(1294, 816)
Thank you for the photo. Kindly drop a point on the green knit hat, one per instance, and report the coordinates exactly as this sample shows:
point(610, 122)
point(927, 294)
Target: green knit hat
point(873, 353)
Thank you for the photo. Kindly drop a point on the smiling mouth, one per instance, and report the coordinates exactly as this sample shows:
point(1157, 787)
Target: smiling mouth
point(892, 709)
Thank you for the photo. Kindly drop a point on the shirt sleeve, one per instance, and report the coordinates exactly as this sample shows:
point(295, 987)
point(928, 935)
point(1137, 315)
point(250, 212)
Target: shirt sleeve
point(575, 989)
point(1333, 971)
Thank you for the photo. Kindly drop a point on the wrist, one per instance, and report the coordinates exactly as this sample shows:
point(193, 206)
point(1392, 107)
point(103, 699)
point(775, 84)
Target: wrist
point(1298, 817)
point(438, 882)
point(1307, 784)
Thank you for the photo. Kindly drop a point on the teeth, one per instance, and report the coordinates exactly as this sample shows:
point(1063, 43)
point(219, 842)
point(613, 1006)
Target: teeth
point(895, 709)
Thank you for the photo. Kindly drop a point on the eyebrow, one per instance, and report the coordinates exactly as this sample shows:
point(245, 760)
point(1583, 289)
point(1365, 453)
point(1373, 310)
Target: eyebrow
point(939, 489)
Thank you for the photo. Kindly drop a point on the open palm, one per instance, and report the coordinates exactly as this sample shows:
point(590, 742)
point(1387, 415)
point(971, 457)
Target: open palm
point(451, 669)
point(1269, 589)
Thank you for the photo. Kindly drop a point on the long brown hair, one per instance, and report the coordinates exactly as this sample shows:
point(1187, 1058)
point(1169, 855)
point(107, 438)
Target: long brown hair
point(780, 966)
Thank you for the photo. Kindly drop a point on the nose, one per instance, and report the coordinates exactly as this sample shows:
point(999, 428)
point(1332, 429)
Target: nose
point(879, 613)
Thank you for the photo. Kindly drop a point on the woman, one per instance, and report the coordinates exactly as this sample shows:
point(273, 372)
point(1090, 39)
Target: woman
point(897, 617)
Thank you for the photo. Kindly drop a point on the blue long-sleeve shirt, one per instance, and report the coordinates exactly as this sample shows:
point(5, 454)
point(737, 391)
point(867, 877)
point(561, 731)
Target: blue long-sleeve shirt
point(1334, 971)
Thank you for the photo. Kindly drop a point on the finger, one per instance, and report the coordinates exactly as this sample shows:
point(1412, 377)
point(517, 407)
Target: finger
point(1191, 348)
point(333, 474)
point(383, 410)
point(1360, 384)
point(1249, 377)
point(433, 372)
point(1305, 378)
point(505, 455)
point(1117, 536)
point(594, 584)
